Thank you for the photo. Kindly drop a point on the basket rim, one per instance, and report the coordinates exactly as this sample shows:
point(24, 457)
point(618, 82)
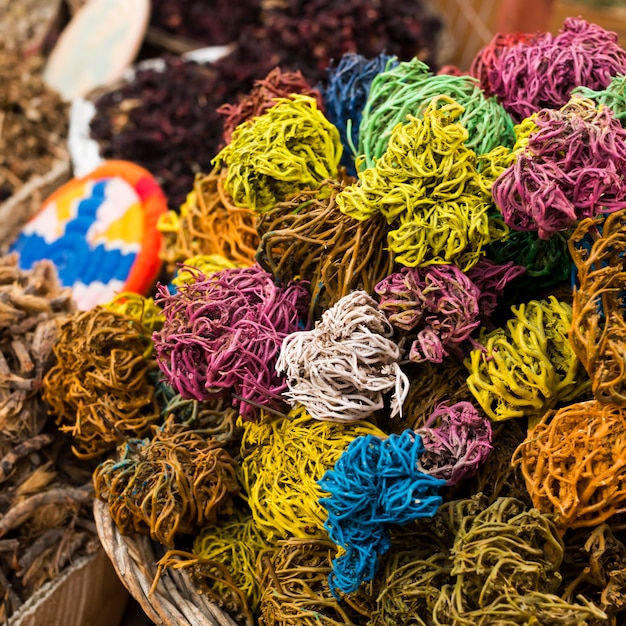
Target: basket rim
point(174, 602)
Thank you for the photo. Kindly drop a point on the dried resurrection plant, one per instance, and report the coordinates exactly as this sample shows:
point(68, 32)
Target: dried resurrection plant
point(291, 146)
point(528, 366)
point(505, 569)
point(295, 588)
point(594, 566)
point(308, 237)
point(209, 223)
point(236, 544)
point(341, 369)
point(497, 477)
point(457, 440)
point(571, 169)
point(222, 335)
point(281, 461)
point(438, 303)
point(173, 484)
point(263, 96)
point(374, 483)
point(574, 463)
point(598, 331)
point(428, 187)
point(100, 388)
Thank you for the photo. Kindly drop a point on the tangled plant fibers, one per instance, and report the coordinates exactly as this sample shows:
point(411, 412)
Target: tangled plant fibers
point(281, 461)
point(457, 440)
point(308, 237)
point(290, 147)
point(101, 388)
point(571, 168)
point(342, 368)
point(527, 367)
point(170, 485)
point(542, 72)
point(574, 462)
point(375, 482)
point(223, 332)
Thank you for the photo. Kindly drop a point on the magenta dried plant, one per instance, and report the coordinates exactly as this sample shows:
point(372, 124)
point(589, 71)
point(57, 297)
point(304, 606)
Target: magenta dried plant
point(223, 333)
point(436, 305)
point(572, 168)
point(457, 441)
point(542, 72)
point(491, 280)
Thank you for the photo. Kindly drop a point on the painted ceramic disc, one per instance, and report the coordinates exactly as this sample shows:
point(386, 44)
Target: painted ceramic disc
point(100, 232)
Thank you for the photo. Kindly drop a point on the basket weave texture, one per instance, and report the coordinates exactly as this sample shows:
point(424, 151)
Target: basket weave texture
point(174, 602)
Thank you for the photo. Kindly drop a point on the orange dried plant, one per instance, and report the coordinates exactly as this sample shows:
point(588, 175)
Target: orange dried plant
point(209, 223)
point(574, 463)
point(598, 330)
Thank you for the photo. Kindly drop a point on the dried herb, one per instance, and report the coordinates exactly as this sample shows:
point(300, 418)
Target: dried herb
point(27, 26)
point(99, 389)
point(213, 23)
point(209, 223)
point(165, 121)
point(295, 588)
point(598, 331)
point(574, 463)
point(33, 122)
point(172, 484)
point(309, 34)
point(308, 236)
point(277, 84)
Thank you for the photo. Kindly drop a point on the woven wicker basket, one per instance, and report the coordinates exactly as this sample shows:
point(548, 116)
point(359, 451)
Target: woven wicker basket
point(174, 601)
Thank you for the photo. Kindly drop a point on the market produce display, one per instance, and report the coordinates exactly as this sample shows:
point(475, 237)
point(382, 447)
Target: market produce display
point(380, 380)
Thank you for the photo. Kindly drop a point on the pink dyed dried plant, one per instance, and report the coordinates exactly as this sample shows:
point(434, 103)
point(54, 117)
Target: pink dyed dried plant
point(223, 333)
point(439, 302)
point(457, 441)
point(572, 168)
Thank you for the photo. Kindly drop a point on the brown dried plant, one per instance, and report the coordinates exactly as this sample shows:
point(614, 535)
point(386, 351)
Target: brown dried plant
point(594, 566)
point(101, 388)
point(295, 588)
point(173, 484)
point(308, 237)
point(598, 330)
